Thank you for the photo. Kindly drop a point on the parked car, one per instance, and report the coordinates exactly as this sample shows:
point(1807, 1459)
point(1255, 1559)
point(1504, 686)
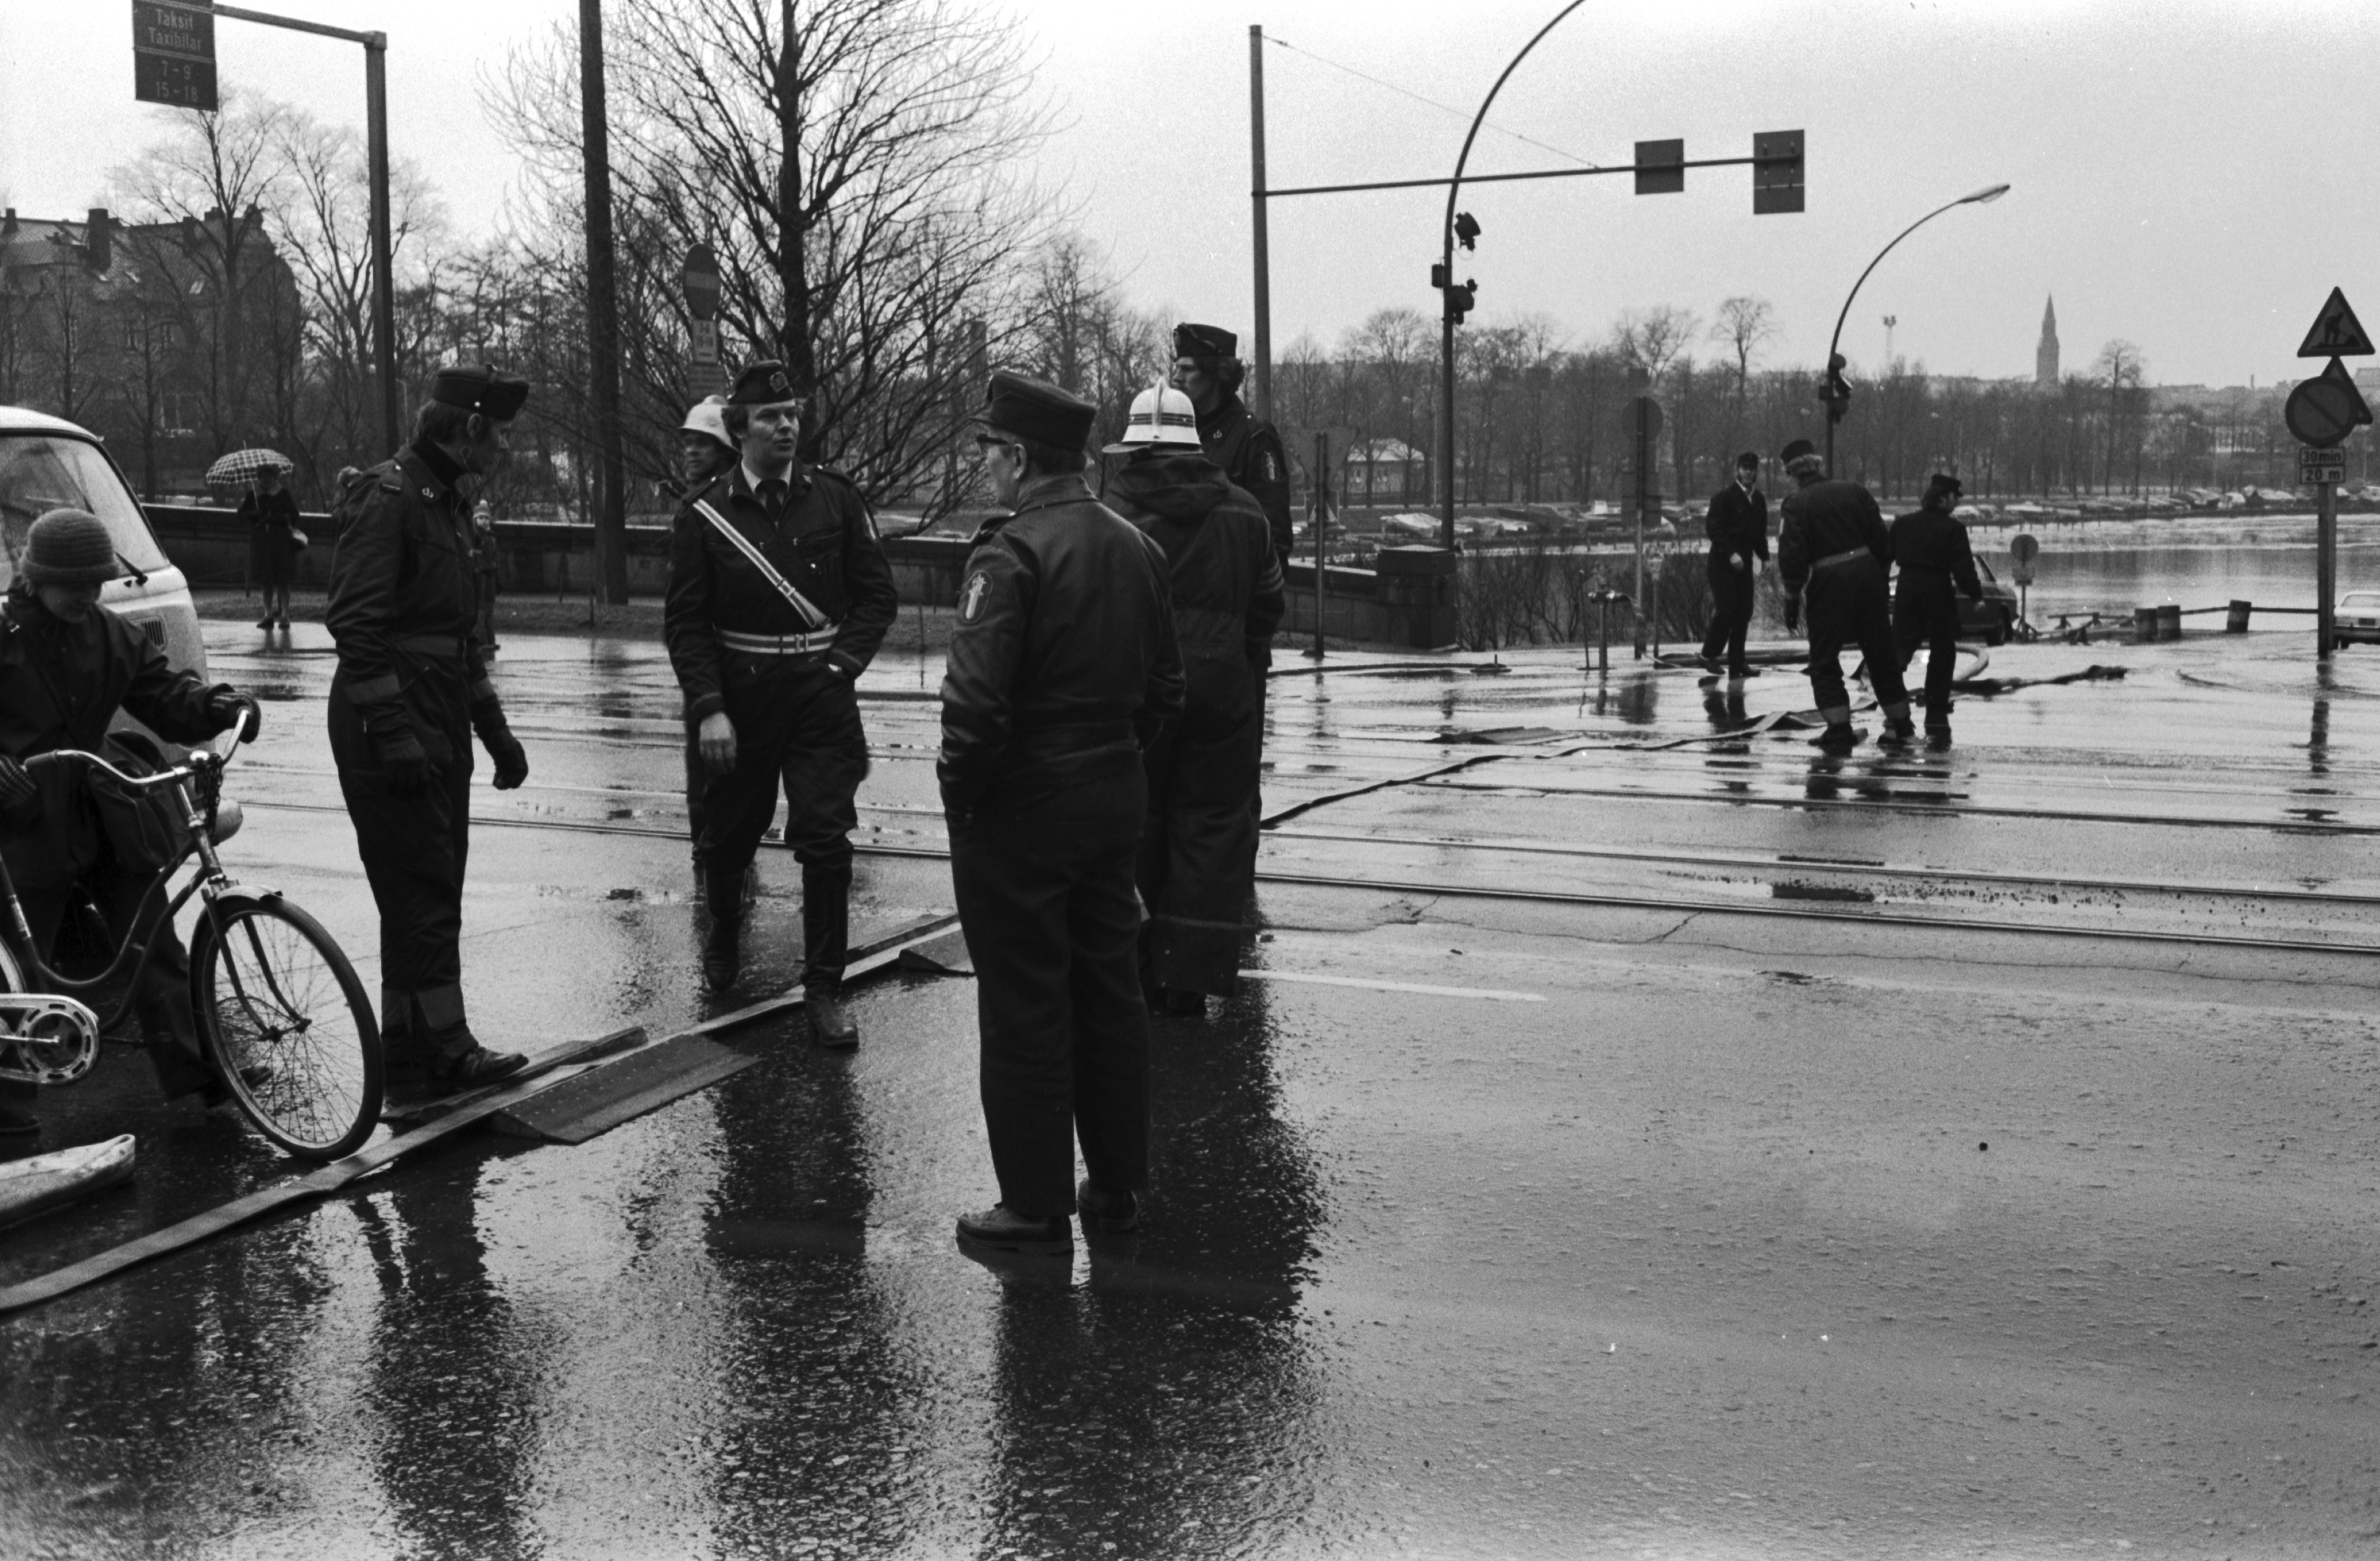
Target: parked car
point(2357, 619)
point(48, 463)
point(1991, 619)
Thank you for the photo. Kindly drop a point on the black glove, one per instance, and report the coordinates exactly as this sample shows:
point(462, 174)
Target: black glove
point(20, 800)
point(408, 764)
point(1793, 614)
point(228, 708)
point(512, 763)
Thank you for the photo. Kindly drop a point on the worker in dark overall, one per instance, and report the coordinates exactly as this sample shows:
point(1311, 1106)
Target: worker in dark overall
point(1226, 594)
point(1061, 670)
point(1832, 550)
point(66, 665)
point(1937, 567)
point(779, 596)
point(705, 451)
point(1738, 526)
point(410, 689)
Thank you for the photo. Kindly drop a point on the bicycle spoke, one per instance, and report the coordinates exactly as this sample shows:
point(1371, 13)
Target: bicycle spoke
point(278, 1003)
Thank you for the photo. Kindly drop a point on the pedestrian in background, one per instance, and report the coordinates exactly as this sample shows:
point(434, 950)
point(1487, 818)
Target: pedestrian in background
point(271, 511)
point(1833, 547)
point(487, 570)
point(1225, 591)
point(1937, 567)
point(705, 450)
point(1738, 526)
point(410, 689)
point(1061, 671)
point(779, 596)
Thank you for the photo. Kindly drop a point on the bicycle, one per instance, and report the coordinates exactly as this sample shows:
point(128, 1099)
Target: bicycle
point(283, 1018)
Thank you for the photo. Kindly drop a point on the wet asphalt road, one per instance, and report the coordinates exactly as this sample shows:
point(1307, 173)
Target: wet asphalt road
point(1650, 1215)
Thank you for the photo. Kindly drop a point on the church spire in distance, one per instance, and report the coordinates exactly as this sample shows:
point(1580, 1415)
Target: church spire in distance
point(2045, 356)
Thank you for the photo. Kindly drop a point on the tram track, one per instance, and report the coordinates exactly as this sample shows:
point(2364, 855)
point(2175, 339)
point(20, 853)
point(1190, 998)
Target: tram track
point(1665, 904)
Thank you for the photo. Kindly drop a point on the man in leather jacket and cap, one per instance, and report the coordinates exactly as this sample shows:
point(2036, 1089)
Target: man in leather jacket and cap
point(66, 665)
point(1937, 567)
point(779, 596)
point(1737, 527)
point(1226, 588)
point(1063, 668)
point(410, 689)
point(1832, 548)
point(1247, 448)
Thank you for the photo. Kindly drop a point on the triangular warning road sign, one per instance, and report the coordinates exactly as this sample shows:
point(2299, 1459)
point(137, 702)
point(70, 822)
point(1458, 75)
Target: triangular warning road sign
point(2337, 332)
point(2337, 375)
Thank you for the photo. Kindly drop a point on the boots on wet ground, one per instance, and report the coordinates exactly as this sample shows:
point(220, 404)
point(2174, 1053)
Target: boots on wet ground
point(455, 1060)
point(1937, 737)
point(1899, 732)
point(1003, 1230)
point(723, 952)
point(1113, 1214)
point(1175, 1002)
point(1840, 736)
point(831, 1024)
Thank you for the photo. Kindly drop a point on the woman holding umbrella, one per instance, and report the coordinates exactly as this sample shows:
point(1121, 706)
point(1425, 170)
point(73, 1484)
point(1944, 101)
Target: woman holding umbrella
point(271, 511)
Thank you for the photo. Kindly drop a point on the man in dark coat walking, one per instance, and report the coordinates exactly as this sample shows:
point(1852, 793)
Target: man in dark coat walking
point(1738, 525)
point(411, 689)
point(1833, 548)
point(1226, 589)
point(779, 596)
point(1063, 668)
point(1937, 567)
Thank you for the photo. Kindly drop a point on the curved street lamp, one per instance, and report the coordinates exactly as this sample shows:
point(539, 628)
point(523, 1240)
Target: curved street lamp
point(1446, 304)
point(1984, 196)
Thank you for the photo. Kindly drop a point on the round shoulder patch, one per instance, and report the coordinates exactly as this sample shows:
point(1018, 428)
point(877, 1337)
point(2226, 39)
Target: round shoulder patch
point(973, 595)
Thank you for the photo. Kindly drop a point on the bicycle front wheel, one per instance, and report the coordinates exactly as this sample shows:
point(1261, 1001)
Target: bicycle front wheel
point(289, 1026)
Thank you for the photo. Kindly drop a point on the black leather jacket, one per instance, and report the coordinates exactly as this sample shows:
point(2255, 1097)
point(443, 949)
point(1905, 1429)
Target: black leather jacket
point(1062, 664)
point(404, 608)
point(1250, 454)
point(1823, 520)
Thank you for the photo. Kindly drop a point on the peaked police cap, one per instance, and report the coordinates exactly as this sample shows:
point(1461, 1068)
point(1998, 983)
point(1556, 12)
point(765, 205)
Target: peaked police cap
point(1203, 341)
point(764, 383)
point(1037, 410)
point(479, 388)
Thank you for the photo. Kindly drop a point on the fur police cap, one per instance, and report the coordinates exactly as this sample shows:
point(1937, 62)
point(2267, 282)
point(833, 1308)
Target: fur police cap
point(1796, 451)
point(1203, 341)
point(1037, 410)
point(478, 387)
point(764, 383)
point(69, 547)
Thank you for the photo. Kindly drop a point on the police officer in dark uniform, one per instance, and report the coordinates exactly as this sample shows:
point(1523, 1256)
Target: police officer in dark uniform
point(1063, 668)
point(1937, 567)
point(1833, 548)
point(1738, 526)
point(779, 595)
point(410, 689)
point(1248, 448)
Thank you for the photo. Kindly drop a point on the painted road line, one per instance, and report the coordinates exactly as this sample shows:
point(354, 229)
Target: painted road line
point(1489, 992)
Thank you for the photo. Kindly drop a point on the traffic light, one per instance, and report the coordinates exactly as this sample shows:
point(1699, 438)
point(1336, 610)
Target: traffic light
point(1776, 173)
point(1466, 230)
point(1460, 298)
point(1835, 390)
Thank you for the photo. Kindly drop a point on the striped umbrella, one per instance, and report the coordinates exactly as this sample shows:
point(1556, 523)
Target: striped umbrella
point(241, 466)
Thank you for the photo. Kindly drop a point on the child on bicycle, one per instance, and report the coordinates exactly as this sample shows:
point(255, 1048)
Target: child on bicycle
point(66, 665)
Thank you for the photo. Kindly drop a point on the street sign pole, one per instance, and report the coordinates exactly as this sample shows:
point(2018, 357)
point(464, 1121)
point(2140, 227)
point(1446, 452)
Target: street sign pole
point(1646, 420)
point(2325, 569)
point(1321, 528)
point(2323, 411)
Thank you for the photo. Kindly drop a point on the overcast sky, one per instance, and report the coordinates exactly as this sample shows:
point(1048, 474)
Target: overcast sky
point(2193, 176)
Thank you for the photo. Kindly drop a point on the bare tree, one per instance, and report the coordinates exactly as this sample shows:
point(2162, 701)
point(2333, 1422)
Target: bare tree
point(1649, 340)
point(853, 164)
point(1744, 324)
point(2122, 370)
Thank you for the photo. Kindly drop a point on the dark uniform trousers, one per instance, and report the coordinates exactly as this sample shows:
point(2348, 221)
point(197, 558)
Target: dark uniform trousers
point(1045, 891)
point(1733, 594)
point(1194, 854)
point(797, 725)
point(1925, 612)
point(413, 851)
point(1847, 606)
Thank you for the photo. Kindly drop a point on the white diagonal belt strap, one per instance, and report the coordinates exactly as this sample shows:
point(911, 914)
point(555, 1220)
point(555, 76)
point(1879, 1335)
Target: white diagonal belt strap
point(779, 644)
point(753, 556)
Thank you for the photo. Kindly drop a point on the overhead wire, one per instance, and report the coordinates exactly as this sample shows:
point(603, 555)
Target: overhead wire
point(1432, 103)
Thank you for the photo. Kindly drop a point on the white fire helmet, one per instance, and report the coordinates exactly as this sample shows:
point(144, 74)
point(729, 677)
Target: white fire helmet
point(1163, 419)
point(709, 416)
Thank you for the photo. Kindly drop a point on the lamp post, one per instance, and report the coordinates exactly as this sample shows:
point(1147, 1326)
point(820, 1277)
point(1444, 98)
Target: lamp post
point(1834, 361)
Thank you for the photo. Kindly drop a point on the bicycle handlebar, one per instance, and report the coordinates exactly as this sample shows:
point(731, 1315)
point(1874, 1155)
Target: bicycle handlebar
point(167, 777)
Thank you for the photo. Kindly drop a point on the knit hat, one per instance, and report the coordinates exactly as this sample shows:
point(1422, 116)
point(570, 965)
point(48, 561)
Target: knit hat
point(69, 547)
